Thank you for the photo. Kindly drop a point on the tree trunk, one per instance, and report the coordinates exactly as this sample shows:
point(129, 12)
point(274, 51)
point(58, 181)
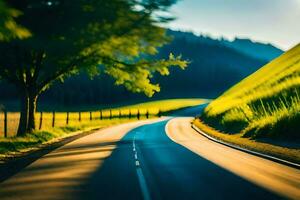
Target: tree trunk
point(23, 122)
point(31, 113)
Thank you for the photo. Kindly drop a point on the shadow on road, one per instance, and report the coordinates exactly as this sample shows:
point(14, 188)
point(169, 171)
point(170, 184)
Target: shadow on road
point(171, 172)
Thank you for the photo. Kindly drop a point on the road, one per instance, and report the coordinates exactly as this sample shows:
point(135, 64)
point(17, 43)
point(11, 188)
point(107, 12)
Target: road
point(154, 159)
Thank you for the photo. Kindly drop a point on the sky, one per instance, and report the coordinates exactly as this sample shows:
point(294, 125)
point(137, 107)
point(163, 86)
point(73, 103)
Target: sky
point(270, 21)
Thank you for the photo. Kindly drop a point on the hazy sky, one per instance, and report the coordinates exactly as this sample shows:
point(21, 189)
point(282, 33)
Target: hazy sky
point(274, 21)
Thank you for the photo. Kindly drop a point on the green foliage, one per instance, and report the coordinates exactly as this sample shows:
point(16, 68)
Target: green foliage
point(110, 33)
point(265, 104)
point(9, 29)
point(139, 80)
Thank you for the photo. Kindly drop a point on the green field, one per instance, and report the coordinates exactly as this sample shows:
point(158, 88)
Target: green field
point(152, 107)
point(12, 145)
point(266, 104)
point(167, 105)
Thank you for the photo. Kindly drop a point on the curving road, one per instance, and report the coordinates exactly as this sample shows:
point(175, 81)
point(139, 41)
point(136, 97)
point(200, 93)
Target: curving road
point(154, 159)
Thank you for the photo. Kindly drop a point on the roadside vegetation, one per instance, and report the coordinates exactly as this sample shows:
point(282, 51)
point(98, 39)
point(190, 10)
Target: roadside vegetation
point(14, 145)
point(167, 105)
point(262, 112)
point(287, 151)
point(264, 105)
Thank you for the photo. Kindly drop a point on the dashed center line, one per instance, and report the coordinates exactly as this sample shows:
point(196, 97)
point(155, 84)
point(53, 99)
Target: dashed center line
point(140, 175)
point(137, 163)
point(133, 144)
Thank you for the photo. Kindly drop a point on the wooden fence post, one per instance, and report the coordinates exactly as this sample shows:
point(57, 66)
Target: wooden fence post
point(53, 118)
point(110, 114)
point(147, 114)
point(138, 114)
point(79, 116)
point(129, 116)
point(5, 123)
point(101, 116)
point(91, 116)
point(41, 120)
point(67, 120)
point(120, 114)
point(159, 113)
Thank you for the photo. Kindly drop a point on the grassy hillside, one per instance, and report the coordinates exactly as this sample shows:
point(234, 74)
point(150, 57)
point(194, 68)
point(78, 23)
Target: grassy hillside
point(265, 104)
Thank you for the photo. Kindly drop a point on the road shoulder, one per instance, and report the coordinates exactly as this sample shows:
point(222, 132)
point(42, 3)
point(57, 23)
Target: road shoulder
point(13, 164)
point(273, 176)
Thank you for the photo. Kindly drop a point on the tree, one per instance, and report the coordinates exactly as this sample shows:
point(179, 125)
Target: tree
point(70, 36)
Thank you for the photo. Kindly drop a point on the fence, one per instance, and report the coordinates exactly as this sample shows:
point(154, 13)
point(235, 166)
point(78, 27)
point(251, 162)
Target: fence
point(9, 121)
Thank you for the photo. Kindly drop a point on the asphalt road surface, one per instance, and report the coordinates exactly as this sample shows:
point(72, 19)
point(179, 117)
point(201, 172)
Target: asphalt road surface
point(154, 159)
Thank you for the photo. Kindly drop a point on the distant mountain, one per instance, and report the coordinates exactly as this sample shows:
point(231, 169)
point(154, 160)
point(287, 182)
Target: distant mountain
point(214, 67)
point(263, 51)
point(255, 49)
point(191, 37)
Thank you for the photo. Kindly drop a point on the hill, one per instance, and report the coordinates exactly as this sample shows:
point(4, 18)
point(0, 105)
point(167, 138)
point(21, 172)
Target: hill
point(258, 50)
point(214, 68)
point(266, 104)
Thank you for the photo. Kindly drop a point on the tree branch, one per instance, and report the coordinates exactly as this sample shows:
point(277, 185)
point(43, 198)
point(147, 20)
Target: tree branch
point(63, 71)
point(38, 65)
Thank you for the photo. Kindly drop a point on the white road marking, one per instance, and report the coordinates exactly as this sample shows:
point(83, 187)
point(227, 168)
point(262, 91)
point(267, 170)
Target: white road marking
point(137, 163)
point(140, 175)
point(133, 144)
point(143, 185)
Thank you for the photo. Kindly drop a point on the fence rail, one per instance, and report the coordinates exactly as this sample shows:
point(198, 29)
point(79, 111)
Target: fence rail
point(9, 121)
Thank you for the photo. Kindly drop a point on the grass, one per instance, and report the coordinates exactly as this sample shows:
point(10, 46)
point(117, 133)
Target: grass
point(153, 107)
point(266, 104)
point(13, 145)
point(289, 153)
point(168, 105)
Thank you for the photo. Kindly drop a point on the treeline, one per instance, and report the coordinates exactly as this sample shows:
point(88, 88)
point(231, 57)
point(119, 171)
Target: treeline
point(213, 68)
